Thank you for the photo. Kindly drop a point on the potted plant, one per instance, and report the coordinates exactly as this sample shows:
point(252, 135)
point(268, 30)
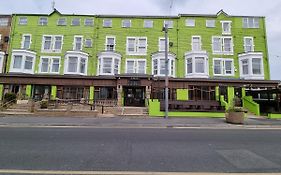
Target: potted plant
point(235, 114)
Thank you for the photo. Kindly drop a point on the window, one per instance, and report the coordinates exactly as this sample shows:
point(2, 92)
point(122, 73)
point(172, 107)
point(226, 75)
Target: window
point(88, 43)
point(52, 43)
point(169, 23)
point(196, 43)
point(251, 22)
point(78, 43)
point(49, 64)
point(89, 22)
point(136, 45)
point(110, 43)
point(23, 21)
point(251, 65)
point(248, 44)
point(148, 24)
point(210, 23)
point(61, 22)
point(136, 66)
point(190, 22)
point(4, 22)
point(43, 21)
point(222, 45)
point(109, 63)
point(1, 61)
point(223, 66)
point(226, 27)
point(107, 23)
point(196, 64)
point(158, 64)
point(76, 63)
point(161, 44)
point(126, 23)
point(26, 41)
point(75, 22)
point(23, 61)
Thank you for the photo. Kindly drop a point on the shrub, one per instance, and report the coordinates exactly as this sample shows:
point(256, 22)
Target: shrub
point(10, 97)
point(44, 104)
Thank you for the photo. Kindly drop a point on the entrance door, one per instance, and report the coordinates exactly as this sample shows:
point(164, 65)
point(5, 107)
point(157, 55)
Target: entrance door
point(134, 96)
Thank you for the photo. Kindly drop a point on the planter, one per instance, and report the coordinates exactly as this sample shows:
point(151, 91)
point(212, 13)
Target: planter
point(235, 117)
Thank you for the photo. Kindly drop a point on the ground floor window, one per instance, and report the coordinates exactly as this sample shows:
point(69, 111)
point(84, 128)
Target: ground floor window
point(105, 93)
point(41, 92)
point(201, 93)
point(72, 92)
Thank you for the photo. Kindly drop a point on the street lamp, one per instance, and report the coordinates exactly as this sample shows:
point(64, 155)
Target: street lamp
point(165, 29)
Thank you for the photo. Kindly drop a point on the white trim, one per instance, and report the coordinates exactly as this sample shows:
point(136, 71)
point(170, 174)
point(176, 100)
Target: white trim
point(226, 32)
point(106, 43)
point(252, 44)
point(24, 54)
point(73, 20)
point(136, 46)
point(136, 65)
point(223, 70)
point(256, 22)
point(2, 56)
point(21, 17)
point(23, 41)
point(200, 44)
point(187, 24)
point(74, 42)
point(114, 56)
point(79, 56)
point(249, 56)
point(50, 64)
point(85, 45)
point(64, 24)
point(222, 51)
point(103, 24)
point(52, 47)
point(169, 22)
point(90, 19)
point(159, 44)
point(160, 56)
point(126, 20)
point(147, 20)
point(197, 54)
point(40, 23)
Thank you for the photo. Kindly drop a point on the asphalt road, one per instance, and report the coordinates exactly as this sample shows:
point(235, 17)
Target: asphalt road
point(141, 149)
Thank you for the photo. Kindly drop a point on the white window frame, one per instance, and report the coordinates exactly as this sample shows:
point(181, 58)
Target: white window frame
point(2, 55)
point(79, 56)
point(252, 44)
point(136, 65)
point(193, 55)
point(91, 43)
point(52, 48)
point(222, 44)
point(73, 19)
point(4, 22)
point(223, 70)
point(24, 54)
point(23, 41)
point(88, 19)
point(136, 46)
point(190, 22)
point(170, 23)
point(114, 56)
point(107, 44)
point(75, 42)
point(63, 24)
point(126, 21)
point(41, 23)
point(50, 64)
point(229, 27)
point(107, 21)
point(159, 44)
point(210, 23)
point(246, 23)
point(25, 21)
point(192, 43)
point(148, 23)
point(249, 57)
point(171, 67)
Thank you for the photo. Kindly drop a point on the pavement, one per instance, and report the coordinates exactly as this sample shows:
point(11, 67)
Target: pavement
point(109, 121)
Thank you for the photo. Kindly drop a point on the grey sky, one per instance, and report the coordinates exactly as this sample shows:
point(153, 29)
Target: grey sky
point(268, 8)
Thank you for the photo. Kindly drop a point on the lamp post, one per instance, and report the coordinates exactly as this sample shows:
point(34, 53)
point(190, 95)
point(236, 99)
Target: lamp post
point(165, 29)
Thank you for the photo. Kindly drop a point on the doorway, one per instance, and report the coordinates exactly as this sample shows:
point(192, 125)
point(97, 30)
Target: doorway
point(134, 96)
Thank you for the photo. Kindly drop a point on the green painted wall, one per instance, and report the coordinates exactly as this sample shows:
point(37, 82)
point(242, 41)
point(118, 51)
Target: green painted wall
point(223, 102)
point(1, 91)
point(28, 91)
point(230, 95)
point(217, 93)
point(53, 92)
point(274, 116)
point(92, 91)
point(182, 94)
point(251, 105)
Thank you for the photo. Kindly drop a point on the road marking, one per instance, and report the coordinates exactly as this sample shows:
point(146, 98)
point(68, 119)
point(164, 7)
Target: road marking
point(51, 172)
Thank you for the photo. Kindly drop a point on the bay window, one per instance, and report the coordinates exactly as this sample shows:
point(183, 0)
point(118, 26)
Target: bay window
point(23, 61)
point(158, 64)
point(76, 63)
point(109, 63)
point(196, 64)
point(251, 65)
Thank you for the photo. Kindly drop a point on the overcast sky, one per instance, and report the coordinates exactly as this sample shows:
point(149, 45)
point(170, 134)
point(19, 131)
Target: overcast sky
point(271, 9)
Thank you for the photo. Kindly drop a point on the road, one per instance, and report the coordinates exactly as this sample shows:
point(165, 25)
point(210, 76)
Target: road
point(140, 149)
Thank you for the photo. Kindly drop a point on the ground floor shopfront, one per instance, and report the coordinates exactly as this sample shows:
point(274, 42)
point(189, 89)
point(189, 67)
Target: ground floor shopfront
point(128, 90)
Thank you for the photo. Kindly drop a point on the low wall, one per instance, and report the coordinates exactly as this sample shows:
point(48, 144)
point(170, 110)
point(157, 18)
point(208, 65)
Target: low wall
point(252, 106)
point(274, 116)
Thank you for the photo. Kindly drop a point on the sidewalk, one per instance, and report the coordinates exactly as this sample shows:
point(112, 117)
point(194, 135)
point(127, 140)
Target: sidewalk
point(134, 122)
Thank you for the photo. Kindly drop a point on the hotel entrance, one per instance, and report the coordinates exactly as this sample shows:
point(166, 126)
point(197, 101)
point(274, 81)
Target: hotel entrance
point(134, 96)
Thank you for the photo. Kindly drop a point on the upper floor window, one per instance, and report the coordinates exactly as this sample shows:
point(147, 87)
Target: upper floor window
point(170, 23)
point(1, 61)
point(222, 45)
point(251, 65)
point(159, 64)
point(26, 41)
point(126, 23)
point(148, 24)
point(49, 64)
point(23, 20)
point(196, 64)
point(43, 21)
point(107, 23)
point(89, 22)
point(23, 61)
point(75, 22)
point(135, 66)
point(52, 43)
point(76, 63)
point(78, 43)
point(196, 43)
point(248, 44)
point(190, 22)
point(226, 27)
point(136, 45)
point(161, 44)
point(4, 22)
point(110, 43)
point(88, 43)
point(210, 23)
point(62, 22)
point(223, 66)
point(109, 63)
point(251, 22)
